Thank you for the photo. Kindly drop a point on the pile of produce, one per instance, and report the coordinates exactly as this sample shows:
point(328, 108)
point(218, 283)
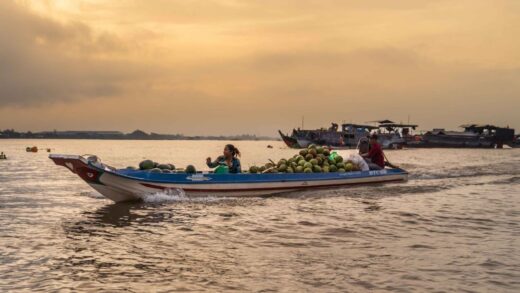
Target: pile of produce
point(314, 159)
point(154, 167)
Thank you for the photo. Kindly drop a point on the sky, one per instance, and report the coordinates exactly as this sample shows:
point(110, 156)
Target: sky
point(211, 67)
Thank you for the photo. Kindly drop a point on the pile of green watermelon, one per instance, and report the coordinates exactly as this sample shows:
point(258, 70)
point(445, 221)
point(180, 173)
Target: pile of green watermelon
point(154, 167)
point(314, 159)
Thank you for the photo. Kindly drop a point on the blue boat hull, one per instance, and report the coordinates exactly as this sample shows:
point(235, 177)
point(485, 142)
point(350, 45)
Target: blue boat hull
point(126, 185)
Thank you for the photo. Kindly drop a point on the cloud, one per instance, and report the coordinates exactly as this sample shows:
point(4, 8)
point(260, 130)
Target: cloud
point(43, 60)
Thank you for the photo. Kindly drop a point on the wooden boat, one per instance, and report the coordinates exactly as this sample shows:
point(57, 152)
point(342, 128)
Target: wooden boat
point(129, 185)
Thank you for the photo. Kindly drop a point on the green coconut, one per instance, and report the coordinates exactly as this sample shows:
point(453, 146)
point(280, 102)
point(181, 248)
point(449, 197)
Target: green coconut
point(172, 166)
point(307, 170)
point(313, 152)
point(341, 170)
point(294, 165)
point(166, 171)
point(289, 170)
point(340, 166)
point(309, 157)
point(190, 169)
point(155, 164)
point(326, 152)
point(325, 163)
point(311, 146)
point(131, 168)
point(146, 165)
point(299, 169)
point(307, 165)
point(302, 162)
point(269, 165)
point(317, 169)
point(303, 152)
point(319, 160)
point(349, 167)
point(253, 169)
point(282, 168)
point(319, 150)
point(282, 162)
point(326, 169)
point(155, 170)
point(314, 162)
point(333, 168)
point(338, 159)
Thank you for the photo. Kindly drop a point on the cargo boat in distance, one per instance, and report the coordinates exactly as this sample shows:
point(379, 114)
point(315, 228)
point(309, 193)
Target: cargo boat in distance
point(122, 185)
point(473, 136)
point(391, 135)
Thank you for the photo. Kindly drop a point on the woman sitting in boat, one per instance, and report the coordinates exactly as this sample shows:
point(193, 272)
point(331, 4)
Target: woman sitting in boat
point(229, 159)
point(374, 157)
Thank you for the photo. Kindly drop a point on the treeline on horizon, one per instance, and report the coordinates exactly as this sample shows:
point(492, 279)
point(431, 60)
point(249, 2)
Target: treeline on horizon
point(135, 135)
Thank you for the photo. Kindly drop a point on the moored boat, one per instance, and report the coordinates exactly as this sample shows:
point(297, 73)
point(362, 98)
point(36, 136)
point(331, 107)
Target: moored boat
point(122, 185)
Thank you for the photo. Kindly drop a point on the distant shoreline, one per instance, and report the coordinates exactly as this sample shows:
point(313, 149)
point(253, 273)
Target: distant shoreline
point(118, 135)
point(150, 139)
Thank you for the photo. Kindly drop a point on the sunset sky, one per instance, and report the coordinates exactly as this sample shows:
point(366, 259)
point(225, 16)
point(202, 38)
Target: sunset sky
point(232, 67)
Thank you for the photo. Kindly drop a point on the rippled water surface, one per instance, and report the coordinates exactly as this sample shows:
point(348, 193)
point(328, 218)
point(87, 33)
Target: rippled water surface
point(453, 227)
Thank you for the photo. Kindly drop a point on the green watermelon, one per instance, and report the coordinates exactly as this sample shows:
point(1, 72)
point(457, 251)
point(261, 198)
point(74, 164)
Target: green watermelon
point(146, 165)
point(164, 166)
point(190, 169)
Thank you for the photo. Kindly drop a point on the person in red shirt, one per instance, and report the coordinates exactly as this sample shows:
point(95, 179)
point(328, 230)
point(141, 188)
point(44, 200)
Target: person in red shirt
point(375, 157)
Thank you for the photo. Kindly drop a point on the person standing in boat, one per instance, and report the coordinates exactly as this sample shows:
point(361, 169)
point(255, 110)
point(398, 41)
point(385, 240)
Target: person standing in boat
point(230, 159)
point(375, 156)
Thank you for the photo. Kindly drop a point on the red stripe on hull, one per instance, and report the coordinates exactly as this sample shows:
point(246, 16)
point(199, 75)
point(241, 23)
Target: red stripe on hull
point(271, 188)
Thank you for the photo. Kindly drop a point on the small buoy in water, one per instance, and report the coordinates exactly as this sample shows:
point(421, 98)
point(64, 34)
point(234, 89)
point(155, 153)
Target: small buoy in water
point(33, 149)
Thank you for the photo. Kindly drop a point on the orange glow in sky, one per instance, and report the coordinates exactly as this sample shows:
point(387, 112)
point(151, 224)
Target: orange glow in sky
point(231, 67)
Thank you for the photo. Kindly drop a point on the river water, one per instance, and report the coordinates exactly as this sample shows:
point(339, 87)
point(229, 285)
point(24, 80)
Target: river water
point(453, 227)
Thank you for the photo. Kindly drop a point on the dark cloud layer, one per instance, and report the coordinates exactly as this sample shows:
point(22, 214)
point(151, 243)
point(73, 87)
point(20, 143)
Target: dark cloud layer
point(46, 61)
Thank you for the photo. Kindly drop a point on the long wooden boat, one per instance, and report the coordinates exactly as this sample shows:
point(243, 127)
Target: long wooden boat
point(129, 185)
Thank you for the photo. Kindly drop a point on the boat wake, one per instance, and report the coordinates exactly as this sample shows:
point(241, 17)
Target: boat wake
point(178, 195)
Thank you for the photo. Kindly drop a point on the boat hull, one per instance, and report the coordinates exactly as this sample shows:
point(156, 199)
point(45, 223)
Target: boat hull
point(132, 185)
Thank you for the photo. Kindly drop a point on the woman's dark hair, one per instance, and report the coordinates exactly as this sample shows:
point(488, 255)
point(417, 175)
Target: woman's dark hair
point(234, 151)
